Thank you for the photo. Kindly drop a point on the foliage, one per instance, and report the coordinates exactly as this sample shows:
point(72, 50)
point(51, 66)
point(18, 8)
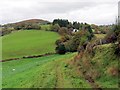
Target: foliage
point(60, 49)
point(5, 31)
point(75, 40)
point(55, 27)
point(101, 67)
point(63, 31)
point(117, 46)
point(27, 26)
point(70, 25)
point(61, 22)
point(46, 27)
point(102, 29)
point(76, 25)
point(73, 44)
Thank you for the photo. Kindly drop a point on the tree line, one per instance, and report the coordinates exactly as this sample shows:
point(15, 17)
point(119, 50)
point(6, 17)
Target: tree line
point(69, 41)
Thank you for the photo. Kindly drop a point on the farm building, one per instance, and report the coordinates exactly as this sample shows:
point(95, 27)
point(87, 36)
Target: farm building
point(75, 30)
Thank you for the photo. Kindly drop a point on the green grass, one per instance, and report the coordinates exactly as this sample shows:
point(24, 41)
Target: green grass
point(46, 27)
point(28, 42)
point(100, 36)
point(43, 72)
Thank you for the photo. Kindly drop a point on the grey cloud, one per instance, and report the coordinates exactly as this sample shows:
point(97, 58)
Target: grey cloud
point(17, 10)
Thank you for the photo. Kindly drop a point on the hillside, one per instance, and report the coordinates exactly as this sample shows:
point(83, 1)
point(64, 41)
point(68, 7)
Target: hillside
point(37, 21)
point(106, 63)
point(30, 21)
point(23, 43)
point(99, 68)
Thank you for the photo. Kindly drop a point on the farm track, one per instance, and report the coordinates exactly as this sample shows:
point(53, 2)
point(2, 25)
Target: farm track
point(59, 77)
point(25, 57)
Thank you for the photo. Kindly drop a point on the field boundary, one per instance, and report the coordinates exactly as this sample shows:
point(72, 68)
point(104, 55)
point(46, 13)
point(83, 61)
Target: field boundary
point(30, 56)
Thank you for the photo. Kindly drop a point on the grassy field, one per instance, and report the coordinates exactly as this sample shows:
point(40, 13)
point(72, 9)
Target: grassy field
point(44, 72)
point(28, 42)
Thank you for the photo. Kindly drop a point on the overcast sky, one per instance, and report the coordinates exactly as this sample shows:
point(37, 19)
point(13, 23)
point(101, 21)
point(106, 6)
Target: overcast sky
point(90, 11)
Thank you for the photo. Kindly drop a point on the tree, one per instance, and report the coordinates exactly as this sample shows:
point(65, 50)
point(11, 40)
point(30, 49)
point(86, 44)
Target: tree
point(91, 32)
point(70, 25)
point(73, 43)
point(63, 31)
point(117, 46)
point(61, 22)
point(55, 27)
point(76, 25)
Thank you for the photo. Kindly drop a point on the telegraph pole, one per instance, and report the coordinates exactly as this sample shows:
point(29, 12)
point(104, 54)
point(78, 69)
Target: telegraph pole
point(119, 13)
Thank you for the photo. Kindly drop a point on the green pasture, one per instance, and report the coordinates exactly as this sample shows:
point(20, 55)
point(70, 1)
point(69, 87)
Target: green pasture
point(44, 72)
point(28, 42)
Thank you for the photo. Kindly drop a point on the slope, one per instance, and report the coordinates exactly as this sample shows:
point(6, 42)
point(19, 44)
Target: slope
point(98, 66)
point(28, 42)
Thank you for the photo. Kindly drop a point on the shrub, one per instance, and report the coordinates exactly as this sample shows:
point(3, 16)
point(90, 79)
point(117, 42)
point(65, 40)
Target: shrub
point(58, 42)
point(55, 27)
point(5, 31)
point(63, 31)
point(60, 49)
point(117, 46)
point(27, 26)
point(70, 46)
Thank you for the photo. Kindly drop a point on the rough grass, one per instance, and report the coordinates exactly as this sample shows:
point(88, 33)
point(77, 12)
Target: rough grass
point(100, 36)
point(28, 42)
point(101, 66)
point(104, 60)
point(44, 72)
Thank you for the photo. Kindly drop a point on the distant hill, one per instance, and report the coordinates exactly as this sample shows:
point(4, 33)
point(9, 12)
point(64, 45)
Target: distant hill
point(37, 21)
point(30, 21)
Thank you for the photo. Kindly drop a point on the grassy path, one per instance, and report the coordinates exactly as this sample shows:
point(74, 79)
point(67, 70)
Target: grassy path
point(43, 72)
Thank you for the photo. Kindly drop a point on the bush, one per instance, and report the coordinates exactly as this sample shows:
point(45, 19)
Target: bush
point(60, 49)
point(63, 31)
point(5, 31)
point(117, 46)
point(58, 42)
point(27, 26)
point(55, 27)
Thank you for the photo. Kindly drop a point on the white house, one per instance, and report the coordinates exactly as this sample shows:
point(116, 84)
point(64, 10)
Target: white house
point(75, 30)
